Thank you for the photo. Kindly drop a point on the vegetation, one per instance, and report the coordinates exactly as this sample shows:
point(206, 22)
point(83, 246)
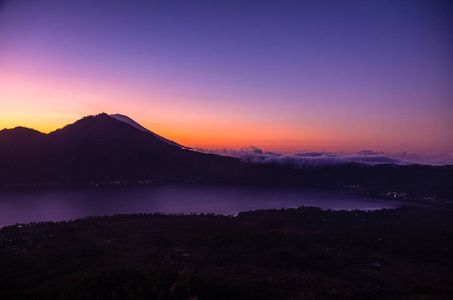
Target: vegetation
point(302, 253)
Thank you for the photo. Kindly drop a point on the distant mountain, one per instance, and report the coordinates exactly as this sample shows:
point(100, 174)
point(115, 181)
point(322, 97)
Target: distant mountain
point(105, 148)
point(129, 121)
point(102, 148)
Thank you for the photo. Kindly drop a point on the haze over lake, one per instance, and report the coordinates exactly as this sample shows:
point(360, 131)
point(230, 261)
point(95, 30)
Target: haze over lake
point(70, 204)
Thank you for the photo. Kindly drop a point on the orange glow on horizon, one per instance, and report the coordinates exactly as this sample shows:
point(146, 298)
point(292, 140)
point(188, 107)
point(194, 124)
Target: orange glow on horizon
point(221, 87)
point(217, 136)
point(46, 103)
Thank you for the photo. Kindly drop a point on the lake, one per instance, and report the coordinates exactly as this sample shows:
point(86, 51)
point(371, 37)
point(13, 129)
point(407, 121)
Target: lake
point(70, 204)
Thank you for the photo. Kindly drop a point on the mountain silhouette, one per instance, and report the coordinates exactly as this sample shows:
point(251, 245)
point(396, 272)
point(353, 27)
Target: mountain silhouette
point(105, 148)
point(102, 148)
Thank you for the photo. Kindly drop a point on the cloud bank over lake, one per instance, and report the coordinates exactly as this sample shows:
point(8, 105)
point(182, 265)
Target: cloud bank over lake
point(254, 154)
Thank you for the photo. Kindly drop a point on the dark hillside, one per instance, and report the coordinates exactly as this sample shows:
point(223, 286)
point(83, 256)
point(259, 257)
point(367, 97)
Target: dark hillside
point(303, 253)
point(101, 148)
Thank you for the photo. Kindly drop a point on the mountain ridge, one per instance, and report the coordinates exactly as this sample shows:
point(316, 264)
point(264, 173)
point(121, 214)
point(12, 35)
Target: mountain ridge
point(100, 148)
point(131, 122)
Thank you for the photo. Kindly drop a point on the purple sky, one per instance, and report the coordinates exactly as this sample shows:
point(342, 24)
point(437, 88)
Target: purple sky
point(293, 75)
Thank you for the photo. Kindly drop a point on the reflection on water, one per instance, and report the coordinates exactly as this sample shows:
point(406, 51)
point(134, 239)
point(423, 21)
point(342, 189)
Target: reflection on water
point(58, 205)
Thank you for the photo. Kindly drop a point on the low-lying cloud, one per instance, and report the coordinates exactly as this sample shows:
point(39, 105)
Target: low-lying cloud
point(310, 158)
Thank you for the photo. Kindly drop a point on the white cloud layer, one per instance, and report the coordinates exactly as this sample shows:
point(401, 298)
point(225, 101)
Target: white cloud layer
point(300, 159)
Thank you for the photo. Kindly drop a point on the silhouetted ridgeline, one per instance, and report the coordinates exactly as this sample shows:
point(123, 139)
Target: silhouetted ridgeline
point(103, 149)
point(100, 148)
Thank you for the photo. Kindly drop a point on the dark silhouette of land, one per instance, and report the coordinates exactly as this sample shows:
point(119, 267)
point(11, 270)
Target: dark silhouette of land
point(300, 253)
point(303, 253)
point(101, 149)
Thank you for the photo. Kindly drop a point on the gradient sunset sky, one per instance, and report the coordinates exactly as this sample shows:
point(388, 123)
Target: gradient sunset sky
point(280, 75)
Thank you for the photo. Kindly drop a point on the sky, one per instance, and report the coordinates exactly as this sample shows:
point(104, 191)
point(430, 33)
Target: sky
point(279, 75)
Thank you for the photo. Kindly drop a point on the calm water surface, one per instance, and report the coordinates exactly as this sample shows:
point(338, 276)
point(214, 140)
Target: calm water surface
point(59, 205)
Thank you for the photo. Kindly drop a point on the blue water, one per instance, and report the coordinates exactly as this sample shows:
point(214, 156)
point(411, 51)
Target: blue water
point(70, 204)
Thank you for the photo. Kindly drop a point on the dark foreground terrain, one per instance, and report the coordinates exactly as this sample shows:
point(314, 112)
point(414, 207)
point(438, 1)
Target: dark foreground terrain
point(303, 253)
